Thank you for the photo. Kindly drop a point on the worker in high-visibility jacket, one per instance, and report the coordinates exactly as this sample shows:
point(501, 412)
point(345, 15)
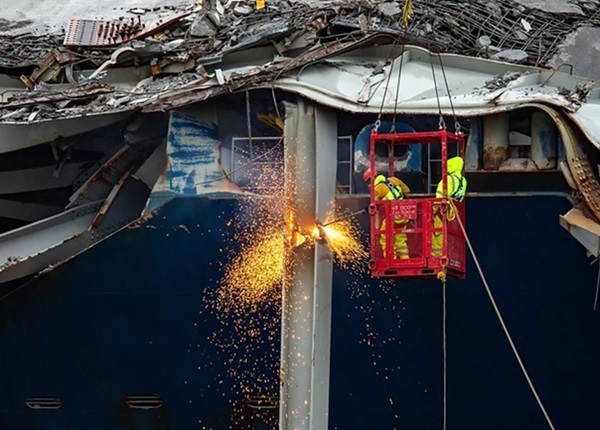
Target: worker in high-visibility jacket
point(390, 188)
point(456, 188)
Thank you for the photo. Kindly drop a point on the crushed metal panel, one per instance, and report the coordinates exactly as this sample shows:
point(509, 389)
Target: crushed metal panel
point(155, 164)
point(15, 136)
point(40, 178)
point(85, 91)
point(350, 77)
point(91, 32)
point(101, 182)
point(125, 205)
point(578, 162)
point(583, 228)
point(109, 200)
point(29, 249)
point(194, 158)
point(49, 67)
point(45, 244)
point(26, 211)
point(587, 120)
point(141, 136)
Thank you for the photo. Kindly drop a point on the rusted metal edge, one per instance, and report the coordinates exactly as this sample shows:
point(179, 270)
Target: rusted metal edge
point(578, 162)
point(70, 94)
point(109, 200)
point(88, 32)
point(178, 98)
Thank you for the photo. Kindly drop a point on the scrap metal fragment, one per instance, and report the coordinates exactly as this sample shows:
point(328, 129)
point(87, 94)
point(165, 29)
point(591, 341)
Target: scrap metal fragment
point(389, 9)
point(89, 32)
point(259, 75)
point(511, 55)
point(48, 68)
point(78, 92)
point(203, 26)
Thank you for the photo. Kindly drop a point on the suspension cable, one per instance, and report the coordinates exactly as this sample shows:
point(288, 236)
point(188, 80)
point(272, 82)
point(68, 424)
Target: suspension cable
point(597, 289)
point(442, 124)
point(456, 123)
point(445, 415)
point(248, 117)
point(512, 345)
point(393, 130)
point(387, 84)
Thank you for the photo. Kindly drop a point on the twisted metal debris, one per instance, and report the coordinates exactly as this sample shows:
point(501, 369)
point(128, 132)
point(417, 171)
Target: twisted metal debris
point(476, 28)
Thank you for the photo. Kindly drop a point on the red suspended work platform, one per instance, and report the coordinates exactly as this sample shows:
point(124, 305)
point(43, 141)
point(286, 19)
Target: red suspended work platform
point(426, 227)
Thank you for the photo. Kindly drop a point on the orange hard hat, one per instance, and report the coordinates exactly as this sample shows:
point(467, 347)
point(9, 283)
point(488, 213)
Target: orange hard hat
point(369, 174)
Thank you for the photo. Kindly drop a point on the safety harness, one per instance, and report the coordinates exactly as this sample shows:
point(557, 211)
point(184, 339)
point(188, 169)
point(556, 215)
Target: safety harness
point(396, 191)
point(459, 193)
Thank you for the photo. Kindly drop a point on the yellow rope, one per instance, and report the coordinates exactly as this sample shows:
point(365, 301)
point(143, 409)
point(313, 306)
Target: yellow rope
point(508, 336)
point(451, 214)
point(407, 12)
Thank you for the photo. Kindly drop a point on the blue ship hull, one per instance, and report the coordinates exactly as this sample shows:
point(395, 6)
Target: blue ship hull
point(129, 317)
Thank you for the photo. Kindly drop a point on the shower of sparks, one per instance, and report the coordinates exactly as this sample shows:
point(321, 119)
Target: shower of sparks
point(343, 238)
point(247, 301)
point(256, 270)
point(344, 241)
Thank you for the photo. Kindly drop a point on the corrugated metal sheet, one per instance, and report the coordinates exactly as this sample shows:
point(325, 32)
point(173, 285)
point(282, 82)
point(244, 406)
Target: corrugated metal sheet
point(91, 32)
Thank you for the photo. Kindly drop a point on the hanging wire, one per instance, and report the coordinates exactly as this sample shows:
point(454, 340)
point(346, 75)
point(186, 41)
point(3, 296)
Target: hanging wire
point(242, 166)
point(442, 124)
point(248, 117)
point(597, 288)
point(456, 123)
point(393, 130)
point(387, 84)
point(445, 354)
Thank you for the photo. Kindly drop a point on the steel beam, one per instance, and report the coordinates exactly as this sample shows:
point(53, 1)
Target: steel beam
point(39, 178)
point(306, 303)
point(495, 140)
point(473, 151)
point(26, 211)
point(583, 228)
point(15, 136)
point(543, 141)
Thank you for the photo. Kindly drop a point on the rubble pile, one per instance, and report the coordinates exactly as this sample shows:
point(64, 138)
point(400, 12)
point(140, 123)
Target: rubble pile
point(507, 30)
point(184, 41)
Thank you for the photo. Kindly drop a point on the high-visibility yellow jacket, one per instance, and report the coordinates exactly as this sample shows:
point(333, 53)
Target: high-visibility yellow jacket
point(456, 185)
point(390, 188)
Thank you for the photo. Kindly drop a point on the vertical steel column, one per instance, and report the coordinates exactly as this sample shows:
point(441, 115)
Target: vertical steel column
point(495, 140)
point(306, 307)
point(543, 140)
point(473, 151)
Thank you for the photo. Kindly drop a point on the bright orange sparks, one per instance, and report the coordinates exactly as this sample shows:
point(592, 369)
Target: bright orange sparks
point(316, 233)
point(343, 238)
point(253, 274)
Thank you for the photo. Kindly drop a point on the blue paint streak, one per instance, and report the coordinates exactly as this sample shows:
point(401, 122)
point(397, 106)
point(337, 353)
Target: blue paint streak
point(192, 143)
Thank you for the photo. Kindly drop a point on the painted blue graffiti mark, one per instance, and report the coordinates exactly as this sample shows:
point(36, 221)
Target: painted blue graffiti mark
point(193, 154)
